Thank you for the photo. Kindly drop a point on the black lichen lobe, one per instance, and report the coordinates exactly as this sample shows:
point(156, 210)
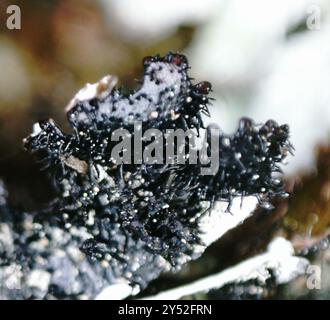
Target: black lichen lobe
point(157, 206)
point(164, 100)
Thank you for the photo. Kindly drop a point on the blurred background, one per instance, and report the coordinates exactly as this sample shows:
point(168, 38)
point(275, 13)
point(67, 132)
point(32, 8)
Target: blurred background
point(265, 59)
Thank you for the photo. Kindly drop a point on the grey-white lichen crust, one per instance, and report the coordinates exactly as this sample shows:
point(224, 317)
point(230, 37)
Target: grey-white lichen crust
point(126, 223)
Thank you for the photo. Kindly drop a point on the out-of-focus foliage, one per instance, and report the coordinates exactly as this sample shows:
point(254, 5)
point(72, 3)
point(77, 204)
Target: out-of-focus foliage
point(309, 210)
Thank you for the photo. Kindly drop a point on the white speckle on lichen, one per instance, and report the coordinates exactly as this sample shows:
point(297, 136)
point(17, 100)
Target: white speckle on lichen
point(154, 115)
point(38, 279)
point(91, 215)
point(11, 277)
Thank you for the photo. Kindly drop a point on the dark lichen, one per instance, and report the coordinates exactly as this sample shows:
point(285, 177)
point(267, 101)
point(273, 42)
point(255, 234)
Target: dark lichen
point(148, 211)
